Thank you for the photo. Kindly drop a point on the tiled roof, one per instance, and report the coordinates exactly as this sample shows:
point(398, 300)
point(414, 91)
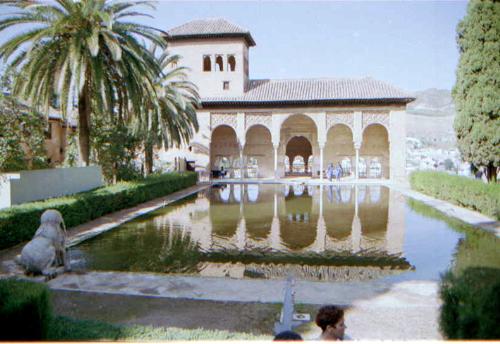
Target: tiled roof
point(322, 91)
point(209, 28)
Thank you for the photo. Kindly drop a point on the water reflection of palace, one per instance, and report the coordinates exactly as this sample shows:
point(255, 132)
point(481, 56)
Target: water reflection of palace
point(297, 218)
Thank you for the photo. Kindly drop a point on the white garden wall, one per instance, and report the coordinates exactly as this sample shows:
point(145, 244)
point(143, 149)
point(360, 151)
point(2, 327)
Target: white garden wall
point(27, 186)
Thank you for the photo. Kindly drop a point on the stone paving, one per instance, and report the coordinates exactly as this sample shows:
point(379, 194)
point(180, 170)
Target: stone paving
point(376, 310)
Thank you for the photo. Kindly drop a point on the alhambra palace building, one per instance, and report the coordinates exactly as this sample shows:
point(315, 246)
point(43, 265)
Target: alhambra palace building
point(275, 128)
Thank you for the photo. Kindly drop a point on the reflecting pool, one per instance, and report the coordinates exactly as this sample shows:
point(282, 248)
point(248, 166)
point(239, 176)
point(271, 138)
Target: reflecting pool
point(340, 233)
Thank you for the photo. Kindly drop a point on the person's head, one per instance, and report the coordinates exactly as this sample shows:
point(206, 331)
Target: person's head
point(331, 321)
point(287, 335)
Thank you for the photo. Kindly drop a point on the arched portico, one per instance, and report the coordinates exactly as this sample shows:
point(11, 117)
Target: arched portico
point(339, 148)
point(298, 137)
point(298, 146)
point(224, 149)
point(358, 140)
point(258, 152)
point(375, 152)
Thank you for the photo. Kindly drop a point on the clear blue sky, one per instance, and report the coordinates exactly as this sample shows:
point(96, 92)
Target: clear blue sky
point(410, 44)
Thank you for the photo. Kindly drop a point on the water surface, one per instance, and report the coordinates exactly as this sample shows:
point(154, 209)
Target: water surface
point(339, 233)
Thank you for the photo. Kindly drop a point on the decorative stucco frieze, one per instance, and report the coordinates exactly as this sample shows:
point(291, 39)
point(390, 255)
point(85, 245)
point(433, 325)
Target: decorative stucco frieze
point(229, 119)
point(264, 119)
point(376, 117)
point(333, 118)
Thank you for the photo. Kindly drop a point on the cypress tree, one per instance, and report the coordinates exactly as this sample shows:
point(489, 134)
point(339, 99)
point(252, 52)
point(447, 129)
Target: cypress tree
point(477, 88)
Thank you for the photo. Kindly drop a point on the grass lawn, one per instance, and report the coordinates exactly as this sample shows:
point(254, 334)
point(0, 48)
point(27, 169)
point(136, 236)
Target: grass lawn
point(64, 328)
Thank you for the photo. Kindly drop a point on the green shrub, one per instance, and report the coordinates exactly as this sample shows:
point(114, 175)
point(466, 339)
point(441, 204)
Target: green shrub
point(462, 191)
point(19, 223)
point(25, 310)
point(471, 302)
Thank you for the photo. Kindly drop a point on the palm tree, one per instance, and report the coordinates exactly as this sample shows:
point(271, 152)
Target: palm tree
point(82, 50)
point(171, 120)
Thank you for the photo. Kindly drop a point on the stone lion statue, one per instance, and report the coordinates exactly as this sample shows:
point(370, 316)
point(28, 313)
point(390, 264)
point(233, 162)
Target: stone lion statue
point(47, 250)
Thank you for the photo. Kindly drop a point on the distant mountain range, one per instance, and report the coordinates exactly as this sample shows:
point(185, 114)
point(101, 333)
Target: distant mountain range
point(432, 102)
point(430, 118)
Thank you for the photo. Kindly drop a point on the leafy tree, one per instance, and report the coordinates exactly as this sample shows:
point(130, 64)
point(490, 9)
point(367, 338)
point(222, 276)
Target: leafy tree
point(114, 148)
point(477, 89)
point(71, 156)
point(82, 50)
point(171, 119)
point(22, 135)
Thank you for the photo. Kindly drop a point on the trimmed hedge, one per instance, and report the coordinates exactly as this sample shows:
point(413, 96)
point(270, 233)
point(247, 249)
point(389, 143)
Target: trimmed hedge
point(25, 310)
point(20, 222)
point(462, 191)
point(471, 302)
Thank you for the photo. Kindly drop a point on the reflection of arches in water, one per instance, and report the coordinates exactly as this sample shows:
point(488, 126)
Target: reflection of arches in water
point(237, 192)
point(298, 189)
point(339, 212)
point(258, 215)
point(252, 192)
point(286, 190)
point(224, 194)
point(298, 226)
point(338, 194)
point(345, 193)
point(375, 193)
point(332, 193)
point(310, 190)
point(224, 215)
point(361, 193)
point(374, 217)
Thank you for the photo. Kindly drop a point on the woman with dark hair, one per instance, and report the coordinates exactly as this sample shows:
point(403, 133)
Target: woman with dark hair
point(331, 321)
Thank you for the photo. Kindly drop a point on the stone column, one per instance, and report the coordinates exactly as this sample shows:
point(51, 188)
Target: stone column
point(241, 232)
point(357, 137)
point(356, 225)
point(277, 120)
point(321, 148)
point(275, 235)
point(241, 135)
point(276, 175)
point(242, 169)
point(320, 241)
point(209, 160)
point(357, 147)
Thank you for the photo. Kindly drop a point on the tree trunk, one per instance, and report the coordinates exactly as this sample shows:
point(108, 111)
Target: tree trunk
point(84, 124)
point(115, 172)
point(148, 159)
point(491, 173)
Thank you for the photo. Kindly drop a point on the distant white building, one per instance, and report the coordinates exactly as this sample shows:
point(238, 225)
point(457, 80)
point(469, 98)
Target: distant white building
point(271, 128)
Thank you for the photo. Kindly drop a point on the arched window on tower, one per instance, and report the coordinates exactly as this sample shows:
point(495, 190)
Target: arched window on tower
point(219, 64)
point(207, 63)
point(231, 63)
